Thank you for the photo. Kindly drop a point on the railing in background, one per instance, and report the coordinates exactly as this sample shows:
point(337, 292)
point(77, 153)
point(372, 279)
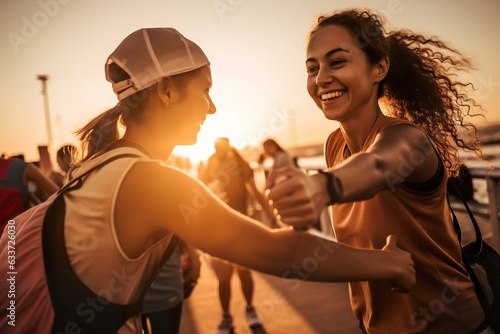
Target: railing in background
point(488, 210)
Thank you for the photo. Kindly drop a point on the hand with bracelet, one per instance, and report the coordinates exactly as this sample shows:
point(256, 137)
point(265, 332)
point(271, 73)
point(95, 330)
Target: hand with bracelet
point(300, 198)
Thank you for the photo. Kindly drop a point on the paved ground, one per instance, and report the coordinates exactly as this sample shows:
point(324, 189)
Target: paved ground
point(285, 307)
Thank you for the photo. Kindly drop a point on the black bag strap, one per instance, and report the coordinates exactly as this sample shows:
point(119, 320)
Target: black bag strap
point(477, 230)
point(474, 248)
point(69, 295)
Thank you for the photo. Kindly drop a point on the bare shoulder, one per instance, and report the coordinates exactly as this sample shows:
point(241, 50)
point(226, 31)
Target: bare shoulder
point(407, 145)
point(404, 131)
point(160, 190)
point(405, 136)
point(156, 178)
point(166, 198)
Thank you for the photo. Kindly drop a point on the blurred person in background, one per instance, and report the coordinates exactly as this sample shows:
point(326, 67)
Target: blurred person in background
point(280, 157)
point(230, 177)
point(19, 181)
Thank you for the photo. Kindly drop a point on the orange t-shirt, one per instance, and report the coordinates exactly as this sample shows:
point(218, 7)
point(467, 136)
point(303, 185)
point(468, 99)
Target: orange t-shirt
point(443, 299)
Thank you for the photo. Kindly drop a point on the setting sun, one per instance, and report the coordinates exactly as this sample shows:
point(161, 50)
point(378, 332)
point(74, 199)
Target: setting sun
point(215, 126)
point(232, 119)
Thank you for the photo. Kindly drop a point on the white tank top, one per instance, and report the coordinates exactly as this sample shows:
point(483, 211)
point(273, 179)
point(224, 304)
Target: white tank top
point(91, 241)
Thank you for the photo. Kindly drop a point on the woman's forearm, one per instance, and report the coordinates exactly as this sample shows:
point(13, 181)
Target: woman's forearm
point(319, 259)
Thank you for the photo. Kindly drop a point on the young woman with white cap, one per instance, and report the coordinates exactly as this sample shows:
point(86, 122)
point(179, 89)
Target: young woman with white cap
point(88, 274)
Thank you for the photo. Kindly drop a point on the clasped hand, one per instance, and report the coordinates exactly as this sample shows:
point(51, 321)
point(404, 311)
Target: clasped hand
point(298, 198)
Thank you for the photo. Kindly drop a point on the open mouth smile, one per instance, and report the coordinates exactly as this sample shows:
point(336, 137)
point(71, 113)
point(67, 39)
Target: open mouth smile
point(332, 95)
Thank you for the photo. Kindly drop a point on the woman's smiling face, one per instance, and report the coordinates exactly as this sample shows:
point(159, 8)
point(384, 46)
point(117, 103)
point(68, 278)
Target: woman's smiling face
point(340, 79)
point(189, 112)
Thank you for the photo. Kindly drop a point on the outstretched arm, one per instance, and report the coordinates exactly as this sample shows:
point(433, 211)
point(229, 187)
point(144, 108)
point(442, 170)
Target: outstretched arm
point(170, 200)
point(34, 174)
point(400, 153)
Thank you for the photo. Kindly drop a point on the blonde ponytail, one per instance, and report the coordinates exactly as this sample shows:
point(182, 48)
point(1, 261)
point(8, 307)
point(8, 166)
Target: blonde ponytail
point(100, 132)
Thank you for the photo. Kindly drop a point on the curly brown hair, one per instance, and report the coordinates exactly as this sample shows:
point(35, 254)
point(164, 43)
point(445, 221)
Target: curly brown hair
point(420, 85)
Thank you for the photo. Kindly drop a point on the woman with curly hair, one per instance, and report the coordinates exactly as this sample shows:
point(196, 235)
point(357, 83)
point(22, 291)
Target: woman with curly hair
point(400, 109)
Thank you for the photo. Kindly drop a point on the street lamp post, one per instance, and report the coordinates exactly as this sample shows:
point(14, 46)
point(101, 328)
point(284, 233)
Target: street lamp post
point(44, 151)
point(43, 78)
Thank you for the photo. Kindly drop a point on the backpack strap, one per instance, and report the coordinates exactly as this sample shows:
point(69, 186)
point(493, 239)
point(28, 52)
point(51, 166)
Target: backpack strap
point(479, 238)
point(473, 249)
point(76, 307)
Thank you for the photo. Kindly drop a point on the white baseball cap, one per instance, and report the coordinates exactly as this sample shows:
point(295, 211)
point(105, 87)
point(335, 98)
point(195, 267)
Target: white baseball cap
point(150, 54)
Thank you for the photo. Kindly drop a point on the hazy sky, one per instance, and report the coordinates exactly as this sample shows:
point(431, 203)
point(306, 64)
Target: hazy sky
point(256, 48)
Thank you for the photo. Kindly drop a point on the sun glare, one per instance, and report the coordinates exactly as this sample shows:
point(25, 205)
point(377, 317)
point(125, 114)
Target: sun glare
point(231, 119)
point(215, 126)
